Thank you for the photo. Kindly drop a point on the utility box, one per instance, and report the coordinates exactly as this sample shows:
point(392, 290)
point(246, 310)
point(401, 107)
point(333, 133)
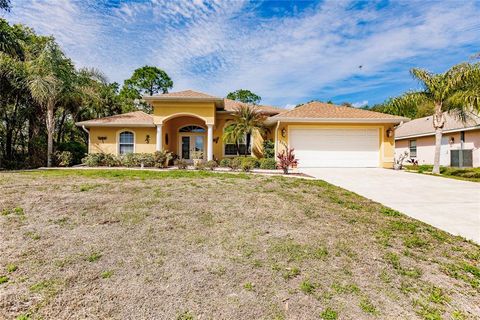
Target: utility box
point(461, 158)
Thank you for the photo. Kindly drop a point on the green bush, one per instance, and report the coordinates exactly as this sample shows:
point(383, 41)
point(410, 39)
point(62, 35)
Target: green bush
point(225, 163)
point(181, 164)
point(268, 149)
point(110, 160)
point(200, 165)
point(64, 158)
point(77, 149)
point(248, 164)
point(95, 159)
point(211, 165)
point(148, 159)
point(130, 160)
point(161, 158)
point(268, 163)
point(235, 164)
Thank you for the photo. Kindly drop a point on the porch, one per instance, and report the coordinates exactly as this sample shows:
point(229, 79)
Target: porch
point(185, 134)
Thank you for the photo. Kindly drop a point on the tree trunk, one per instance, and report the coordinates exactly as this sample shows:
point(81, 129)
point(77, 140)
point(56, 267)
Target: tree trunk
point(438, 123)
point(247, 145)
point(50, 121)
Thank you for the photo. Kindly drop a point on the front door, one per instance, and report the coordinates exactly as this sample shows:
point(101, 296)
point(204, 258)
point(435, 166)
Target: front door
point(191, 143)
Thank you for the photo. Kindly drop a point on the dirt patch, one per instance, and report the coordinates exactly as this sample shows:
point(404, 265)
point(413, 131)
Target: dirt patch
point(174, 245)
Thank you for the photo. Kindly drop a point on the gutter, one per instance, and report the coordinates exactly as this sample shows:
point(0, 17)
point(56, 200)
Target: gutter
point(133, 125)
point(337, 120)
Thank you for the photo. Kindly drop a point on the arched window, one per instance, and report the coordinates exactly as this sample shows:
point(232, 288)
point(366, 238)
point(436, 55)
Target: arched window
point(193, 129)
point(231, 148)
point(126, 144)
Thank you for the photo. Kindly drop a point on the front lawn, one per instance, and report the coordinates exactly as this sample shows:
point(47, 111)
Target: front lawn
point(467, 174)
point(199, 245)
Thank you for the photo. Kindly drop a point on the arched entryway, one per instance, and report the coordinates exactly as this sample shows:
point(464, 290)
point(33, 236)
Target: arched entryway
point(183, 134)
point(191, 139)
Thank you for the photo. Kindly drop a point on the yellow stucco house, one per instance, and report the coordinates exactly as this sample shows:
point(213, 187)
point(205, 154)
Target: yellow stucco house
point(323, 135)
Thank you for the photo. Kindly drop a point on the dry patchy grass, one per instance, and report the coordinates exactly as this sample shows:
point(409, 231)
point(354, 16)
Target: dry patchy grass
point(199, 245)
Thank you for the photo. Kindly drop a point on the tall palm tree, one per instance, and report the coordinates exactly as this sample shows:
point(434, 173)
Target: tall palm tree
point(49, 77)
point(247, 122)
point(456, 91)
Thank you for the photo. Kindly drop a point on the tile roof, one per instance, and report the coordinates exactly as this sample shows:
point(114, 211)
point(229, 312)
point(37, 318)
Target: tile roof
point(137, 118)
point(424, 126)
point(231, 105)
point(186, 94)
point(319, 110)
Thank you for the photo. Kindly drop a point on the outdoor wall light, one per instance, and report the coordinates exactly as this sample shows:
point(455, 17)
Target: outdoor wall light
point(389, 132)
point(147, 138)
point(452, 140)
point(102, 138)
point(166, 139)
point(284, 132)
point(216, 139)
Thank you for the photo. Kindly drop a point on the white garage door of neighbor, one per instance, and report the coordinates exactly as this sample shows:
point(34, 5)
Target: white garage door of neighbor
point(340, 147)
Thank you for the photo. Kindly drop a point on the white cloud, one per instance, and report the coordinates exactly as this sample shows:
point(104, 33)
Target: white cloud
point(220, 46)
point(360, 104)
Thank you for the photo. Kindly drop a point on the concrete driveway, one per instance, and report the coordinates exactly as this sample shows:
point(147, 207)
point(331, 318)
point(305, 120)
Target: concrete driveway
point(448, 204)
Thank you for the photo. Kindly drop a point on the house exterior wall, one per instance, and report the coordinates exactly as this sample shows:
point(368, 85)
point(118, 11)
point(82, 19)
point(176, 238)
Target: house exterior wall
point(386, 144)
point(110, 144)
point(426, 147)
point(163, 110)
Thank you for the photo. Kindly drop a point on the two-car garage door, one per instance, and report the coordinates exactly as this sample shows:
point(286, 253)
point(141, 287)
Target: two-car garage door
point(335, 147)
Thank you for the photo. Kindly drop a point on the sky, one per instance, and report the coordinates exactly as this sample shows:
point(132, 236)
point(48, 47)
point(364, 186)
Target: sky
point(288, 52)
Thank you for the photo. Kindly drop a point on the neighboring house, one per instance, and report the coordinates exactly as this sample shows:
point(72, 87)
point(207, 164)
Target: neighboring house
point(323, 135)
point(417, 137)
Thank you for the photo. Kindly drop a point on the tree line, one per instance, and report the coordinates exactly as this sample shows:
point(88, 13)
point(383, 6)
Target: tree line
point(43, 94)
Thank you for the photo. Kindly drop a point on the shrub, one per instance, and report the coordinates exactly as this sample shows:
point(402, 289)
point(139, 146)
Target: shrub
point(110, 160)
point(93, 159)
point(268, 149)
point(249, 163)
point(64, 158)
point(161, 158)
point(268, 163)
point(197, 155)
point(147, 159)
point(77, 149)
point(181, 164)
point(225, 163)
point(235, 164)
point(286, 159)
point(199, 165)
point(130, 160)
point(211, 165)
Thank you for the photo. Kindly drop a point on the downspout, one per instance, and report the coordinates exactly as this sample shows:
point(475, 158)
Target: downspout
point(88, 133)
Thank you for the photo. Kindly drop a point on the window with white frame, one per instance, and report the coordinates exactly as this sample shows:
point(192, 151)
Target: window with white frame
point(413, 148)
point(233, 149)
point(126, 144)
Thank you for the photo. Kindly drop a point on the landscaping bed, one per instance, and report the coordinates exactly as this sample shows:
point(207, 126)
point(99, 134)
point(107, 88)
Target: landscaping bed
point(468, 174)
point(180, 244)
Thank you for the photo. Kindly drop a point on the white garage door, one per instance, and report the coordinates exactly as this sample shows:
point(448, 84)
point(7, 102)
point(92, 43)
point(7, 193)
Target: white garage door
point(344, 147)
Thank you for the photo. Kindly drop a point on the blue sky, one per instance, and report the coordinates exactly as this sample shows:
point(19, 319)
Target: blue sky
point(288, 52)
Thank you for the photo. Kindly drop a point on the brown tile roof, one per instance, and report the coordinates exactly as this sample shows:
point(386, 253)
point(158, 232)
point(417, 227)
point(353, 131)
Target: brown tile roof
point(424, 126)
point(231, 105)
point(136, 118)
point(186, 94)
point(319, 110)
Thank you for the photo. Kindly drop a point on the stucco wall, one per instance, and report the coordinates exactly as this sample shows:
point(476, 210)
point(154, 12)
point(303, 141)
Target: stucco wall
point(386, 144)
point(163, 110)
point(110, 144)
point(426, 147)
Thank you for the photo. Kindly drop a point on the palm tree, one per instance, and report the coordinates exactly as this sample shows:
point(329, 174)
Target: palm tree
point(247, 122)
point(456, 91)
point(49, 76)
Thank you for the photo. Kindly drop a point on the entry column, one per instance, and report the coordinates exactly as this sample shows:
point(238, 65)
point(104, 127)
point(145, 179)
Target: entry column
point(210, 142)
point(159, 138)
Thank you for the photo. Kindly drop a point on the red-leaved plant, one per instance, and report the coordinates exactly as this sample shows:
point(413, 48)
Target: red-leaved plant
point(286, 159)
